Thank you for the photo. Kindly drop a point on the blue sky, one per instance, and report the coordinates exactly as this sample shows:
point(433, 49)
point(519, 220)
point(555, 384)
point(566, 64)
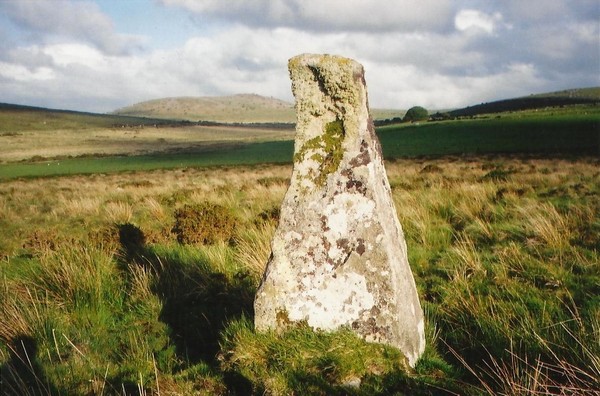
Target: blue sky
point(104, 54)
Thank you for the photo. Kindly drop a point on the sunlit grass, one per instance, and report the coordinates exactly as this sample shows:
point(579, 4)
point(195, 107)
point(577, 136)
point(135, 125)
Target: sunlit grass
point(504, 252)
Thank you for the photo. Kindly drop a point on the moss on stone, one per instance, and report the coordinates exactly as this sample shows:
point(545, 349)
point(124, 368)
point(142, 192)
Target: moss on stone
point(326, 150)
point(333, 137)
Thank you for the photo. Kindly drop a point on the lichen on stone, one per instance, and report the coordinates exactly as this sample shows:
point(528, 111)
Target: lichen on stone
point(326, 150)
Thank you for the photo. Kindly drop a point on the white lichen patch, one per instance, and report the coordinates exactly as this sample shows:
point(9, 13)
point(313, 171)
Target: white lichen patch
point(337, 304)
point(348, 210)
point(337, 221)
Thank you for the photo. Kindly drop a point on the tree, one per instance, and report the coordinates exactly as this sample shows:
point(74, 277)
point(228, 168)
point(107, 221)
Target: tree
point(416, 113)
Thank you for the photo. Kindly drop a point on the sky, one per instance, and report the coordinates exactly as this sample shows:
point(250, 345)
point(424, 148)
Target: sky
point(100, 55)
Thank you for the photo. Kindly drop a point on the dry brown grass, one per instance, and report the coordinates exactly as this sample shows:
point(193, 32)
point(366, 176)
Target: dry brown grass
point(118, 212)
point(128, 141)
point(254, 247)
point(17, 321)
point(546, 225)
point(73, 207)
point(469, 261)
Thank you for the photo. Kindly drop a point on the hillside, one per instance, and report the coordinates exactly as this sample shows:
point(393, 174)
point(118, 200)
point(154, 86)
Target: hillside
point(234, 108)
point(17, 118)
point(537, 101)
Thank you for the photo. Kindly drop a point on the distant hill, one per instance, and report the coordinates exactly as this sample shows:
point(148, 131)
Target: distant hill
point(551, 99)
point(14, 117)
point(242, 108)
point(234, 108)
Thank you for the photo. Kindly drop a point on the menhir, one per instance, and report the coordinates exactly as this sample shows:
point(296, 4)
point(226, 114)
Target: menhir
point(339, 254)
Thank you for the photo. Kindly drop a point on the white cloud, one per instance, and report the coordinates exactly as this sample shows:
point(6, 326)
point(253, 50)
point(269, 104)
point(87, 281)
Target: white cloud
point(76, 20)
point(22, 73)
point(474, 19)
point(331, 15)
point(75, 53)
point(588, 32)
point(31, 56)
point(244, 60)
point(412, 86)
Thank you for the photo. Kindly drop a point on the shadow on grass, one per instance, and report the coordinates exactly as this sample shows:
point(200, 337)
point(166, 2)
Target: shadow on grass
point(22, 374)
point(197, 300)
point(394, 383)
point(199, 303)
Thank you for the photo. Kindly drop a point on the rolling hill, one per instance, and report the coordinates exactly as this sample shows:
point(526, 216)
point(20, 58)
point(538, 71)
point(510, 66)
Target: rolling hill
point(33, 138)
point(16, 118)
point(537, 101)
point(234, 108)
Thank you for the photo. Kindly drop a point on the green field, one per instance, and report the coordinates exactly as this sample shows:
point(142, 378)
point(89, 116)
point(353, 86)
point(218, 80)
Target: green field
point(575, 132)
point(552, 100)
point(572, 133)
point(229, 154)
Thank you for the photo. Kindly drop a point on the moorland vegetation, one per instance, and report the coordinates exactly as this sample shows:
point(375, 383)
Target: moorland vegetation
point(140, 278)
point(105, 292)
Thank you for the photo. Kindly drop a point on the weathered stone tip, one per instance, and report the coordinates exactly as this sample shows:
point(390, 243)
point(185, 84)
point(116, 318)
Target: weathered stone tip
point(322, 59)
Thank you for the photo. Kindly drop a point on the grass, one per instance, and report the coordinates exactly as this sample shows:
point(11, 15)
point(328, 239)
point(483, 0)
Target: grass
point(36, 146)
point(98, 297)
point(511, 259)
point(554, 100)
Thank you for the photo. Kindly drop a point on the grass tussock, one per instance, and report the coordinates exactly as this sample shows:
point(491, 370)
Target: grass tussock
point(98, 295)
point(307, 362)
point(253, 247)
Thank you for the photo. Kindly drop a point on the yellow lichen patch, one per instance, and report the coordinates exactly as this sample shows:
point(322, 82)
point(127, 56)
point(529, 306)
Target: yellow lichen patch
point(326, 150)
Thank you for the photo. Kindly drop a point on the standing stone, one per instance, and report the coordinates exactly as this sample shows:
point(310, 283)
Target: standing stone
point(339, 254)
